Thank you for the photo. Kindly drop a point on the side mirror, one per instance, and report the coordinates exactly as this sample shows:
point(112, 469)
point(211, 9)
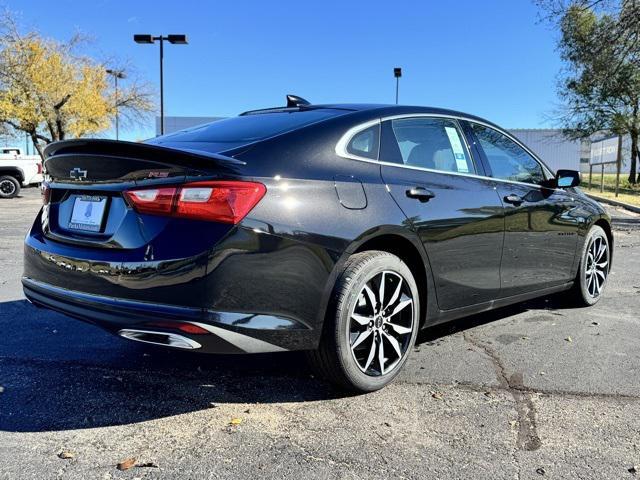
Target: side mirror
point(567, 178)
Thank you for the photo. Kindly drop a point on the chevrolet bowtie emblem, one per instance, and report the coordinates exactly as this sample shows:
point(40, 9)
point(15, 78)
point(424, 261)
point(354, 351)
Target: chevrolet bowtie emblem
point(78, 174)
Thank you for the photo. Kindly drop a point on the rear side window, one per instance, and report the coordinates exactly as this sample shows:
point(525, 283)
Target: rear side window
point(250, 128)
point(365, 143)
point(433, 143)
point(507, 159)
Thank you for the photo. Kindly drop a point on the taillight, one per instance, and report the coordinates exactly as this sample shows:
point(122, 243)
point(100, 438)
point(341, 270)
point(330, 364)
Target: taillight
point(226, 201)
point(46, 194)
point(156, 201)
point(39, 167)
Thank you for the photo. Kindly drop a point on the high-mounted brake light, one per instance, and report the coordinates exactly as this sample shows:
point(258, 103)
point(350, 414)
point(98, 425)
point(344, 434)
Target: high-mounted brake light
point(227, 201)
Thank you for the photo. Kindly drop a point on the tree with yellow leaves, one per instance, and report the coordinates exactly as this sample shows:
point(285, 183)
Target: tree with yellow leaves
point(51, 93)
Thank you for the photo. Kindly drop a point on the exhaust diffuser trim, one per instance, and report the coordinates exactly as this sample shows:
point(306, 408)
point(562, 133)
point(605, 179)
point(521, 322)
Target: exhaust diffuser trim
point(160, 338)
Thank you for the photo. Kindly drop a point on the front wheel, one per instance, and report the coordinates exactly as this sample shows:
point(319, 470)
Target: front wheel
point(593, 271)
point(372, 324)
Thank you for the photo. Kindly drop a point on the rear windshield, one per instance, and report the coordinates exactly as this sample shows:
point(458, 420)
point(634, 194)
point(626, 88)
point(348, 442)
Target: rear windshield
point(248, 128)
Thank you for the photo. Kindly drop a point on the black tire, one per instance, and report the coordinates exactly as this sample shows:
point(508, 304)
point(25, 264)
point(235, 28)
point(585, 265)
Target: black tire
point(353, 368)
point(9, 186)
point(585, 292)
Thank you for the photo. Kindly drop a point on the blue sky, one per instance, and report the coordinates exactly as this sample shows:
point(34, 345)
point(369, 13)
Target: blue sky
point(491, 58)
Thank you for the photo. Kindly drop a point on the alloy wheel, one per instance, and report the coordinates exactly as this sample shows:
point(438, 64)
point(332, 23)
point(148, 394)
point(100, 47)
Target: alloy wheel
point(597, 266)
point(7, 187)
point(381, 323)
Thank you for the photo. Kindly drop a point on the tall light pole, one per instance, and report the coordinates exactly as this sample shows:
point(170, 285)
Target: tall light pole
point(176, 39)
point(116, 74)
point(397, 72)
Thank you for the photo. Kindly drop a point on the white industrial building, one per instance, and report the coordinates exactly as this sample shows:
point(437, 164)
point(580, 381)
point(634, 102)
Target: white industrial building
point(554, 149)
point(549, 144)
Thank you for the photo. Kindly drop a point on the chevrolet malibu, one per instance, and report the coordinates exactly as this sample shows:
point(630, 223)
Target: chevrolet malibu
point(341, 230)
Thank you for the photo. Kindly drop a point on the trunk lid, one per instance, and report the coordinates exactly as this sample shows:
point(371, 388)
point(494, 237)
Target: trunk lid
point(87, 206)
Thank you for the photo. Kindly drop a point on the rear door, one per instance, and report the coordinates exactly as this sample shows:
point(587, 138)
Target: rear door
point(432, 176)
point(540, 223)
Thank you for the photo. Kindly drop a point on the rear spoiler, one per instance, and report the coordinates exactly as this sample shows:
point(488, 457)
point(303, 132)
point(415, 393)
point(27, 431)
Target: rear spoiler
point(86, 160)
point(143, 151)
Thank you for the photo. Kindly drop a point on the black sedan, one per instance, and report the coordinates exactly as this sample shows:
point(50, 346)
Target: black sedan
point(338, 229)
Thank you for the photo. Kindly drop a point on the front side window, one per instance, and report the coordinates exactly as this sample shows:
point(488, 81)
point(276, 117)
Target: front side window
point(507, 159)
point(365, 143)
point(433, 143)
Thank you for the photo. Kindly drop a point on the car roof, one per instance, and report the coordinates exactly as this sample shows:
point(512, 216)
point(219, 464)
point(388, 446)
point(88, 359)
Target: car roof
point(295, 103)
point(375, 110)
point(391, 110)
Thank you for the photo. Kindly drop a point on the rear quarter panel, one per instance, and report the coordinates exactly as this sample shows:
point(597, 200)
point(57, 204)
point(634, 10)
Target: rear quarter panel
point(301, 233)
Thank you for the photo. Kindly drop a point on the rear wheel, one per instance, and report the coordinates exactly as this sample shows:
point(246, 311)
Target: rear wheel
point(593, 272)
point(372, 324)
point(9, 187)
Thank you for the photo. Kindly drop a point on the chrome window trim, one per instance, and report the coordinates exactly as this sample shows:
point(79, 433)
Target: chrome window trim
point(463, 138)
point(341, 146)
point(348, 135)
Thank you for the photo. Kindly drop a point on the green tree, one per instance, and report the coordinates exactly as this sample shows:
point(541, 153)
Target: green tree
point(50, 92)
point(599, 85)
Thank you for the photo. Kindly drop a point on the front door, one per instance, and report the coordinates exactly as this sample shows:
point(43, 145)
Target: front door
point(458, 215)
point(540, 222)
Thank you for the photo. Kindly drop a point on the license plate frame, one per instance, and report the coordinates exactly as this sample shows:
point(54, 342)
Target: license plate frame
point(87, 214)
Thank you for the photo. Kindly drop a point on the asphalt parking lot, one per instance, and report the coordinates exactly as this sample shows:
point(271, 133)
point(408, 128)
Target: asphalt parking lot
point(532, 391)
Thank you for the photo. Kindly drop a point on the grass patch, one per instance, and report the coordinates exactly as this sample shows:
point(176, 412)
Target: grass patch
point(610, 182)
point(628, 193)
point(630, 198)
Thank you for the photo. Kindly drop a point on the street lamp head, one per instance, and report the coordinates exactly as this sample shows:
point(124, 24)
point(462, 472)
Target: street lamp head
point(179, 39)
point(143, 38)
point(397, 72)
point(176, 39)
point(116, 73)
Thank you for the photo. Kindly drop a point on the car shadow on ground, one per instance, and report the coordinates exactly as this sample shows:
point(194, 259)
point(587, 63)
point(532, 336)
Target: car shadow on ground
point(551, 303)
point(61, 374)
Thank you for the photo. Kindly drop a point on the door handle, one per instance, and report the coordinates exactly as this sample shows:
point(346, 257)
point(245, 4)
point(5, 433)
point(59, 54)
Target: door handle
point(514, 199)
point(420, 193)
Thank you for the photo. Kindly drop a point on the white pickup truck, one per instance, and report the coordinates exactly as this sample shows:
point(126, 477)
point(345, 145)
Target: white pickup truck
point(18, 170)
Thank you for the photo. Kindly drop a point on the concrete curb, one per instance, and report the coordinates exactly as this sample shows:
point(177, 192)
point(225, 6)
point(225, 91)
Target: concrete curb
point(631, 208)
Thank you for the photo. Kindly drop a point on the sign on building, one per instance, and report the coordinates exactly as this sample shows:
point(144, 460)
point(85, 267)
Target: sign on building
point(604, 151)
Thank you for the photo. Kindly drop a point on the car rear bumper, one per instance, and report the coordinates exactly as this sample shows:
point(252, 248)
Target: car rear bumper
point(250, 270)
point(227, 332)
